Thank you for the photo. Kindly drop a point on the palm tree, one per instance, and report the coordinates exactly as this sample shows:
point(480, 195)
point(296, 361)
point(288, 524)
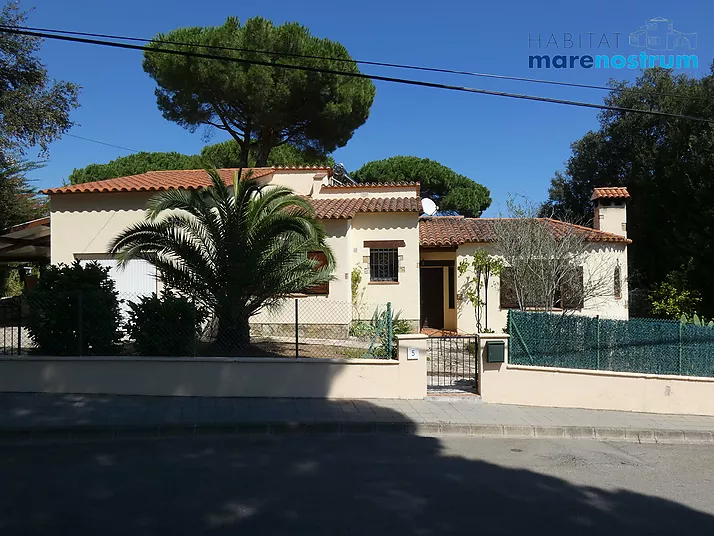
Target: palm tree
point(233, 249)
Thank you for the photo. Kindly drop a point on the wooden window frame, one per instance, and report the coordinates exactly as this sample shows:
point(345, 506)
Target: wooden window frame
point(322, 289)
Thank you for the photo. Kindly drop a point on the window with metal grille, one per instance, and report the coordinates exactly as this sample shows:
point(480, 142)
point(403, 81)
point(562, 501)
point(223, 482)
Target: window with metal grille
point(383, 265)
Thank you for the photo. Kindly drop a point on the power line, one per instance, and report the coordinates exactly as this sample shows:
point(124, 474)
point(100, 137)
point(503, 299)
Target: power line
point(103, 143)
point(362, 62)
point(358, 74)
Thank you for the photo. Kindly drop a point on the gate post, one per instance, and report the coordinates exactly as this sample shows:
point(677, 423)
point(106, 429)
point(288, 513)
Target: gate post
point(411, 352)
point(491, 375)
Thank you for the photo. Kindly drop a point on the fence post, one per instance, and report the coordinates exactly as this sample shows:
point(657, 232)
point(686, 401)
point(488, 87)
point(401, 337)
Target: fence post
point(297, 351)
point(597, 320)
point(80, 320)
point(680, 347)
point(19, 326)
point(389, 326)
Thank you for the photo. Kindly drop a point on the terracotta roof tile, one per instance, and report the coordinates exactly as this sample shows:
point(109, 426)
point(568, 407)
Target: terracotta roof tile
point(619, 192)
point(154, 181)
point(348, 207)
point(449, 231)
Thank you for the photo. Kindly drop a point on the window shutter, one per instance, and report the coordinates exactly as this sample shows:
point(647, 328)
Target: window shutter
point(572, 289)
point(321, 259)
point(509, 300)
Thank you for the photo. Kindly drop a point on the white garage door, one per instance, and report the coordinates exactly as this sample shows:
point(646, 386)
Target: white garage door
point(136, 278)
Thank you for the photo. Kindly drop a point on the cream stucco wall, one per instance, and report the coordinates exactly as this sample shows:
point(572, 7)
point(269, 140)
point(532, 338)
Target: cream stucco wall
point(502, 383)
point(300, 181)
point(598, 273)
point(396, 191)
point(86, 223)
point(611, 218)
point(403, 295)
point(233, 377)
point(336, 307)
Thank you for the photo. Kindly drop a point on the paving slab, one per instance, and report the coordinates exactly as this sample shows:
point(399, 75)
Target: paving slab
point(24, 416)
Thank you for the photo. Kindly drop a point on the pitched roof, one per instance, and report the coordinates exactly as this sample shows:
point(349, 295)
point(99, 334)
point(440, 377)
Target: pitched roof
point(348, 207)
point(446, 231)
point(154, 181)
point(619, 192)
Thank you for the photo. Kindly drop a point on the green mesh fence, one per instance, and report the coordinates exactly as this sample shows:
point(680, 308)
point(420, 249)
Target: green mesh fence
point(636, 345)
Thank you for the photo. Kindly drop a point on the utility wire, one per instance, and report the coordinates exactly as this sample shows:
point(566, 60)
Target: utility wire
point(357, 74)
point(362, 62)
point(102, 143)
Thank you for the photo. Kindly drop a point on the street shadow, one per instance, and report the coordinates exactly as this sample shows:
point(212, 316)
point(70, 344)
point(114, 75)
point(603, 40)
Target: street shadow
point(315, 484)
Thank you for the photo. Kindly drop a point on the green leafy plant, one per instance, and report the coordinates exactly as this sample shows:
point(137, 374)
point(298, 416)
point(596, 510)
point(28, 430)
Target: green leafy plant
point(232, 249)
point(695, 320)
point(74, 310)
point(672, 298)
point(164, 326)
point(357, 294)
point(377, 325)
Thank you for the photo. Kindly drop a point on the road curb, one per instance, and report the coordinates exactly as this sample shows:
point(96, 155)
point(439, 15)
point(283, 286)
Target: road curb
point(167, 431)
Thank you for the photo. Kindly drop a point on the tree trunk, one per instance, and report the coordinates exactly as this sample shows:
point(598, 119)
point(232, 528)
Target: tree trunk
point(244, 154)
point(233, 336)
point(263, 153)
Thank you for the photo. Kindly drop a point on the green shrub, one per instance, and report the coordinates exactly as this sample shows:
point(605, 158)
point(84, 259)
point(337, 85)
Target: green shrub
point(673, 297)
point(377, 325)
point(165, 326)
point(74, 310)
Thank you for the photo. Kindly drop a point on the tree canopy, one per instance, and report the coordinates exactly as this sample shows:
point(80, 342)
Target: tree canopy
point(220, 155)
point(260, 106)
point(135, 164)
point(452, 192)
point(34, 109)
point(667, 164)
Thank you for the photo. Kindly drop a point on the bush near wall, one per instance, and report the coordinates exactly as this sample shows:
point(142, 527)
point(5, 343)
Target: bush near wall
point(74, 310)
point(165, 326)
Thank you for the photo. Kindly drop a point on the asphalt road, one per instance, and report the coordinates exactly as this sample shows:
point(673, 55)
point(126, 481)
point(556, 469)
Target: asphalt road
point(356, 485)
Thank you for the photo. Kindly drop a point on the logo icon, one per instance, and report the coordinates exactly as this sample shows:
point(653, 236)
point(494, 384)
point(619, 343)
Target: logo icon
point(659, 34)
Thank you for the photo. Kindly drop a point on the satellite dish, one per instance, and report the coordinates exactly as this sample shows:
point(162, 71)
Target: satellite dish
point(429, 207)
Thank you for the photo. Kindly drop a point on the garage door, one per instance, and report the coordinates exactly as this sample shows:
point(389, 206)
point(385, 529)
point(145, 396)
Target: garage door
point(136, 278)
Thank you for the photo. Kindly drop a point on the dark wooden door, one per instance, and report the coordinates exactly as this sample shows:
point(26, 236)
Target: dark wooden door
point(432, 298)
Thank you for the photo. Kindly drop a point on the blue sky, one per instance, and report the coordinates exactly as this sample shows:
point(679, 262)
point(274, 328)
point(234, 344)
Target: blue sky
point(510, 146)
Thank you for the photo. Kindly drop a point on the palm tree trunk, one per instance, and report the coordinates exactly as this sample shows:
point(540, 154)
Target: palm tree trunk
point(233, 332)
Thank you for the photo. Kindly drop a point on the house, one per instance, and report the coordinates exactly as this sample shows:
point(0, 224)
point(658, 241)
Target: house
point(381, 241)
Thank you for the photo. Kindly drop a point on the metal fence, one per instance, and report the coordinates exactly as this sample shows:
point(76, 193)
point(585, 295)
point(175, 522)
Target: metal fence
point(636, 345)
point(452, 363)
point(90, 323)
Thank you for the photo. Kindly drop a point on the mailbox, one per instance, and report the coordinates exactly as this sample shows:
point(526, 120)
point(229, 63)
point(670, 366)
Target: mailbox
point(495, 351)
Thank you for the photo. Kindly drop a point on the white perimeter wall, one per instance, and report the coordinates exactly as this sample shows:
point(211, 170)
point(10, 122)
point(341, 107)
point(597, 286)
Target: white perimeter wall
point(503, 383)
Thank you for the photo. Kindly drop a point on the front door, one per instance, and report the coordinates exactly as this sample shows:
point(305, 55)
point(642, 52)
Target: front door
point(432, 297)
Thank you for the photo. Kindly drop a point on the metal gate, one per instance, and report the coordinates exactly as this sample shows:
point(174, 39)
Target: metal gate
point(10, 326)
point(452, 363)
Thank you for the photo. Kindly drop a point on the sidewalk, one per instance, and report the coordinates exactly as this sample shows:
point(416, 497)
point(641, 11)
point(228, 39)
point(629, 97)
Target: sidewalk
point(32, 416)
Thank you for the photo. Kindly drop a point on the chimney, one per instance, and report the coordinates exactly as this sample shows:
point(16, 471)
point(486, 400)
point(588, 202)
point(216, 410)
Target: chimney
point(611, 210)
